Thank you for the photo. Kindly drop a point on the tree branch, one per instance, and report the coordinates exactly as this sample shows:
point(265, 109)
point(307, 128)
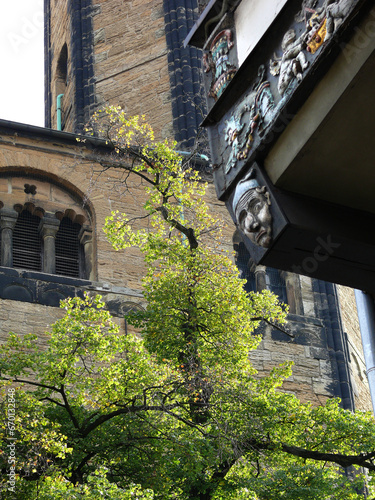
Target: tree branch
point(344, 460)
point(188, 232)
point(68, 408)
point(260, 318)
point(124, 411)
point(30, 382)
point(361, 460)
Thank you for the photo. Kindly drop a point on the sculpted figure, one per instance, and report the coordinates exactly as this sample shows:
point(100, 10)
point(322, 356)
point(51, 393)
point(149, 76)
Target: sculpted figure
point(293, 61)
point(232, 131)
point(251, 204)
point(335, 11)
point(258, 106)
point(217, 61)
point(319, 28)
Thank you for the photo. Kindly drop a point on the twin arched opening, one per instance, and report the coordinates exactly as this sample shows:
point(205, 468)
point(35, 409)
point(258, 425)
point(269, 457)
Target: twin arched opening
point(44, 227)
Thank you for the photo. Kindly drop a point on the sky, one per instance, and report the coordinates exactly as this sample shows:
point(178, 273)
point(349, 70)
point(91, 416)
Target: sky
point(22, 61)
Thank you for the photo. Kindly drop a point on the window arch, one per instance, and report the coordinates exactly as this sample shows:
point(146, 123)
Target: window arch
point(62, 70)
point(61, 88)
point(276, 283)
point(44, 227)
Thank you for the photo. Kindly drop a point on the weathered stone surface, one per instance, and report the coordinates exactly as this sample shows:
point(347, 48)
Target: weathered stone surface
point(131, 70)
point(349, 318)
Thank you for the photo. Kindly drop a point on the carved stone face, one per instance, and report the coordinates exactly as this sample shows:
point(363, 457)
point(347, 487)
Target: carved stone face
point(255, 219)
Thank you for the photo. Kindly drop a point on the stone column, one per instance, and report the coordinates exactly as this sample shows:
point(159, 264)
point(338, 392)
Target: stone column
point(8, 219)
point(85, 238)
point(293, 292)
point(260, 278)
point(48, 228)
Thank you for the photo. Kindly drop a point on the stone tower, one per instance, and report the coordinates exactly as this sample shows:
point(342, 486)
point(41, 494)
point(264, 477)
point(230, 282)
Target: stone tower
point(131, 54)
point(124, 54)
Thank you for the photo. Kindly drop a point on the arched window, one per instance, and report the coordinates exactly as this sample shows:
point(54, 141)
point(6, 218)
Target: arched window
point(61, 83)
point(27, 248)
point(276, 283)
point(273, 277)
point(43, 227)
point(68, 249)
point(62, 70)
point(243, 263)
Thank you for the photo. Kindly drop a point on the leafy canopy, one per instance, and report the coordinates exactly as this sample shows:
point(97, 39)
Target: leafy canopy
point(175, 411)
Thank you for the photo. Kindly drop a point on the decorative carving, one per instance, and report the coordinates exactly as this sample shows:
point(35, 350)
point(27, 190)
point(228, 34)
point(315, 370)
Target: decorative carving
point(30, 189)
point(319, 28)
point(217, 61)
point(307, 6)
point(317, 35)
point(8, 219)
point(324, 21)
point(293, 61)
point(251, 204)
point(334, 11)
point(260, 105)
point(48, 228)
point(232, 130)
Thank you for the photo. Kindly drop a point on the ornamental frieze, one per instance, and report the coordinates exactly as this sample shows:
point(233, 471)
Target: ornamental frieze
point(243, 127)
point(251, 116)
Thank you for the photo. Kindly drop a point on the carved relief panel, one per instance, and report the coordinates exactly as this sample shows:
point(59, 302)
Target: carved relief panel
point(252, 102)
point(217, 62)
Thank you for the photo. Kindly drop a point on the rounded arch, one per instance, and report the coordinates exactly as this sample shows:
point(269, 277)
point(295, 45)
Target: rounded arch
point(30, 176)
point(50, 206)
point(27, 243)
point(30, 207)
point(71, 215)
point(62, 65)
point(69, 253)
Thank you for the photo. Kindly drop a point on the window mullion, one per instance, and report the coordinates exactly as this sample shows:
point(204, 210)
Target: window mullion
point(8, 219)
point(48, 228)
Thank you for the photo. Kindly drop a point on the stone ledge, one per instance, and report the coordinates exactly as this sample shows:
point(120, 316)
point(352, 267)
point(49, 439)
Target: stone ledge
point(49, 289)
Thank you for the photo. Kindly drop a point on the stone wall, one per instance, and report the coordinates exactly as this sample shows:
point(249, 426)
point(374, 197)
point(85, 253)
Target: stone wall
point(132, 56)
point(65, 163)
point(61, 35)
point(29, 300)
point(357, 364)
point(130, 60)
point(317, 360)
point(131, 65)
point(313, 375)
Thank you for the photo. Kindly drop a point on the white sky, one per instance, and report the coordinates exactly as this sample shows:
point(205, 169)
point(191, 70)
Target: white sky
point(22, 61)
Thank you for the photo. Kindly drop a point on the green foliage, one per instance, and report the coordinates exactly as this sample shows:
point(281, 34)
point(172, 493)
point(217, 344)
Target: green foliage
point(96, 487)
point(178, 410)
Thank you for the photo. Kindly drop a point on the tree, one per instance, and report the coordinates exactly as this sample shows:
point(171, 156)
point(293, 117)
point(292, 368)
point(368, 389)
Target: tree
point(174, 410)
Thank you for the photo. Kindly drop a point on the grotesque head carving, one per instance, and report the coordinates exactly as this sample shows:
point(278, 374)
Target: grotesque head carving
point(251, 204)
